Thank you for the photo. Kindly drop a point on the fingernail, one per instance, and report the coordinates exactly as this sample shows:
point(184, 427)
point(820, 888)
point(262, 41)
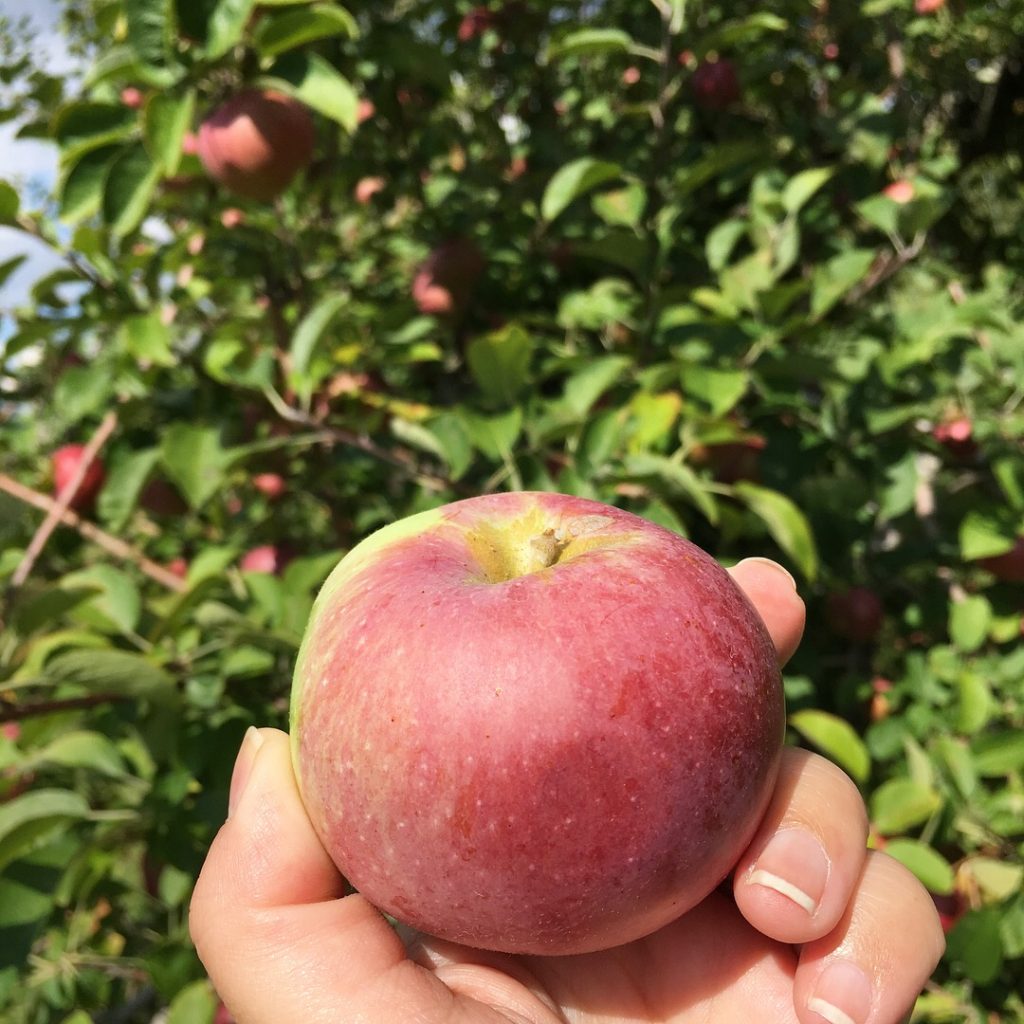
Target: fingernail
point(773, 565)
point(794, 864)
point(842, 994)
point(252, 742)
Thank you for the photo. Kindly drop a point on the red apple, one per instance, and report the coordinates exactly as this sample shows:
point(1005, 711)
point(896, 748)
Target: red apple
point(162, 499)
point(444, 283)
point(65, 462)
point(10, 731)
point(957, 437)
point(1009, 566)
point(132, 97)
point(928, 6)
point(534, 723)
point(367, 188)
point(856, 614)
point(732, 461)
point(631, 75)
point(950, 908)
point(716, 85)
point(223, 1015)
point(178, 566)
point(256, 143)
point(263, 559)
point(475, 24)
point(232, 217)
point(190, 144)
point(901, 192)
point(272, 485)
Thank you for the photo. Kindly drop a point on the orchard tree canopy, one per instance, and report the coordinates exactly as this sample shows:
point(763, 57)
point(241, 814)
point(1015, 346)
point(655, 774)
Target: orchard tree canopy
point(751, 272)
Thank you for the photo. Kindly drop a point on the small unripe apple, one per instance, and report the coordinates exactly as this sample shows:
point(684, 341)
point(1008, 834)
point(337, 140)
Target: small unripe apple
point(65, 462)
point(367, 188)
point(856, 614)
point(256, 143)
point(1009, 566)
point(266, 558)
point(444, 283)
point(534, 723)
point(132, 97)
point(716, 85)
point(271, 485)
point(901, 192)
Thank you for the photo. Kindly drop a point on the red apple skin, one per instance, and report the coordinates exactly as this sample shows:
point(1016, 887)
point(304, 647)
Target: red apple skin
point(545, 760)
point(65, 462)
point(367, 188)
point(929, 6)
point(271, 485)
point(444, 283)
point(856, 614)
point(1009, 566)
point(716, 86)
point(901, 192)
point(132, 97)
point(256, 143)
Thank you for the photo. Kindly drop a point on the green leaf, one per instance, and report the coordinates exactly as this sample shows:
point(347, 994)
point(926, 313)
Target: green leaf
point(116, 606)
point(623, 206)
point(901, 804)
point(969, 621)
point(997, 880)
point(81, 191)
point(586, 386)
point(110, 671)
point(679, 478)
point(803, 186)
point(835, 738)
point(128, 189)
point(453, 442)
point(8, 269)
point(166, 121)
point(833, 279)
point(82, 390)
point(976, 947)
point(289, 29)
point(587, 41)
point(720, 390)
point(307, 335)
point(1000, 754)
point(975, 705)
point(28, 821)
point(931, 868)
point(494, 436)
point(124, 483)
point(147, 339)
point(721, 242)
point(500, 362)
point(195, 461)
point(9, 203)
point(226, 25)
point(574, 180)
point(982, 536)
point(149, 29)
point(319, 85)
point(785, 522)
point(81, 749)
point(80, 127)
point(736, 33)
point(195, 1004)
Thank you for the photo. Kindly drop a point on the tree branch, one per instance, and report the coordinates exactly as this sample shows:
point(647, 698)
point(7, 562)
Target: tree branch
point(112, 545)
point(18, 713)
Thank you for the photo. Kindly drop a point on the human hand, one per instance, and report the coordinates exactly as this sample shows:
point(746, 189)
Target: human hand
point(817, 929)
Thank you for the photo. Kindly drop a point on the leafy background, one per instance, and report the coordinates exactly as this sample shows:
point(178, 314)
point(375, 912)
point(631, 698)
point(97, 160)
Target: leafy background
point(717, 319)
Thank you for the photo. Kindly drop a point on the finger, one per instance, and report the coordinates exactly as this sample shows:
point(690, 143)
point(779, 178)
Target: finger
point(796, 878)
point(772, 591)
point(277, 942)
point(872, 967)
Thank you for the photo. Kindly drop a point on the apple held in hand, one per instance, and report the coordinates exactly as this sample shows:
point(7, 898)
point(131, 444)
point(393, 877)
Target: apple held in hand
point(534, 723)
point(256, 143)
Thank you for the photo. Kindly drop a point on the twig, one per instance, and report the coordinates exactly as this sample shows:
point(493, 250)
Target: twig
point(112, 545)
point(49, 524)
point(18, 713)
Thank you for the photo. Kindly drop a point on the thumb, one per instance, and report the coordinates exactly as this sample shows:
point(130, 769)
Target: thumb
point(268, 922)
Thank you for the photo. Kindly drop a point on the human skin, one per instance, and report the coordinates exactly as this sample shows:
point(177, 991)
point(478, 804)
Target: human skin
point(283, 940)
point(535, 723)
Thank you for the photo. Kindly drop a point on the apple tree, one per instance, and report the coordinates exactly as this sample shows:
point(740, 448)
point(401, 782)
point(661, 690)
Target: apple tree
point(751, 273)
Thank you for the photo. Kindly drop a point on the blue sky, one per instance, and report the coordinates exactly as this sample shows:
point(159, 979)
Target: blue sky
point(29, 161)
